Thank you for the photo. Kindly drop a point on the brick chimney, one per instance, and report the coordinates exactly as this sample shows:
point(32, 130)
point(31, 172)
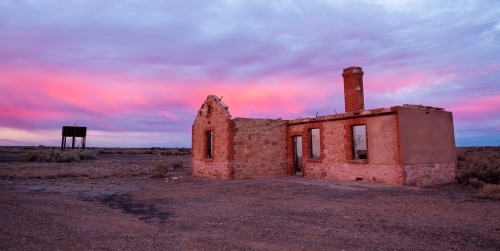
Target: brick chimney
point(353, 89)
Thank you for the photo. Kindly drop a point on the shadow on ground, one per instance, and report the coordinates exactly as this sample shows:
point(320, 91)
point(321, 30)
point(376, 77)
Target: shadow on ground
point(145, 212)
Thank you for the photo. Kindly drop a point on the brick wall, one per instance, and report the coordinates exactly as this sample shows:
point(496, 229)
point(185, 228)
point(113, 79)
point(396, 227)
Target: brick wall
point(212, 116)
point(348, 140)
point(336, 162)
point(242, 147)
point(259, 147)
point(353, 89)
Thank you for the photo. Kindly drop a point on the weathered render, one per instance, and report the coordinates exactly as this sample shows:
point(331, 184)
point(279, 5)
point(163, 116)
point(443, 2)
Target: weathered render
point(406, 145)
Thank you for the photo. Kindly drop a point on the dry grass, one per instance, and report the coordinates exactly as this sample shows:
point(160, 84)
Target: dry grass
point(52, 165)
point(152, 151)
point(102, 150)
point(52, 171)
point(23, 149)
point(46, 172)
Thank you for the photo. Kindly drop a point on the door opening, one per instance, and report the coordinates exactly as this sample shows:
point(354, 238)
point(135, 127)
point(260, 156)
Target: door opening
point(297, 155)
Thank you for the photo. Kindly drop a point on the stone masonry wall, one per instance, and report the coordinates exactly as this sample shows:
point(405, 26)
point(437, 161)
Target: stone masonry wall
point(345, 171)
point(428, 175)
point(259, 147)
point(212, 116)
point(217, 170)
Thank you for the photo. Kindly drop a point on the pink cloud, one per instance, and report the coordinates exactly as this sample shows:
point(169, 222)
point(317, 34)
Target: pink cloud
point(52, 95)
point(475, 108)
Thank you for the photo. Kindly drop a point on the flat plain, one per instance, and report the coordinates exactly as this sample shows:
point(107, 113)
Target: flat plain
point(113, 203)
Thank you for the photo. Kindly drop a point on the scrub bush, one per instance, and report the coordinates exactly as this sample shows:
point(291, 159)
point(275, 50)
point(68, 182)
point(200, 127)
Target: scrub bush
point(87, 154)
point(490, 191)
point(486, 170)
point(177, 165)
point(58, 156)
point(162, 168)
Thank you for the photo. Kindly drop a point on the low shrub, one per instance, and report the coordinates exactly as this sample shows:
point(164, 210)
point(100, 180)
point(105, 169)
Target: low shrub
point(58, 156)
point(68, 156)
point(486, 170)
point(87, 154)
point(104, 151)
point(177, 165)
point(42, 156)
point(490, 191)
point(184, 151)
point(476, 183)
point(31, 157)
point(160, 169)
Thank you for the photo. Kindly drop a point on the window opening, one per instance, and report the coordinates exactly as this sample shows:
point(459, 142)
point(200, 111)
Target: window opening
point(297, 154)
point(359, 142)
point(209, 145)
point(314, 143)
point(209, 110)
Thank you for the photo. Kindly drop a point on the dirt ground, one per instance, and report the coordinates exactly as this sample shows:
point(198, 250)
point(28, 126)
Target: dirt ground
point(117, 206)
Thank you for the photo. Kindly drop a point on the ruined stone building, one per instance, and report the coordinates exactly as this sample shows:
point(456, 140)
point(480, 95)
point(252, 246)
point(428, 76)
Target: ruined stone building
point(407, 145)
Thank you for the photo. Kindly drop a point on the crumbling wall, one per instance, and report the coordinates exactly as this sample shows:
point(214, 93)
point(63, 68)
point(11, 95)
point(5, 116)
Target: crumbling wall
point(259, 147)
point(404, 145)
point(212, 116)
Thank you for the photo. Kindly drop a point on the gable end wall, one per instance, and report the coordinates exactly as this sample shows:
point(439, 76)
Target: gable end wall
point(212, 116)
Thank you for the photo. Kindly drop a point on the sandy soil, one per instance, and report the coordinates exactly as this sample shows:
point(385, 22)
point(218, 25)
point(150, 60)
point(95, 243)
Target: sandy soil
point(124, 209)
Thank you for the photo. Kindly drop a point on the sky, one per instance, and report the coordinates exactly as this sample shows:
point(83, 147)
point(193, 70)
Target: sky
point(135, 72)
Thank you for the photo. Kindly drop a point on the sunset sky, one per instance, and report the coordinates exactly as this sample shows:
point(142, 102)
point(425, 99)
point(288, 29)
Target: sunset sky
point(135, 72)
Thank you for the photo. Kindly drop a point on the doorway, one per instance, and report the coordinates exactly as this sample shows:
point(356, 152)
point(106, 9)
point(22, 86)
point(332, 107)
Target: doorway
point(297, 155)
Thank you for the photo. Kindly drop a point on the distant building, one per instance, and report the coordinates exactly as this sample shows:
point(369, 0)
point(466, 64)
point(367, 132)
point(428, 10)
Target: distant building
point(407, 145)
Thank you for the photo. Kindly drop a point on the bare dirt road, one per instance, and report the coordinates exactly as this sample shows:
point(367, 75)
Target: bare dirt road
point(128, 210)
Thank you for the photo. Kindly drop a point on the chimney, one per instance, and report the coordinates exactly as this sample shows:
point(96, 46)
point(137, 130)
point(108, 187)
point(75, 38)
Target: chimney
point(353, 89)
